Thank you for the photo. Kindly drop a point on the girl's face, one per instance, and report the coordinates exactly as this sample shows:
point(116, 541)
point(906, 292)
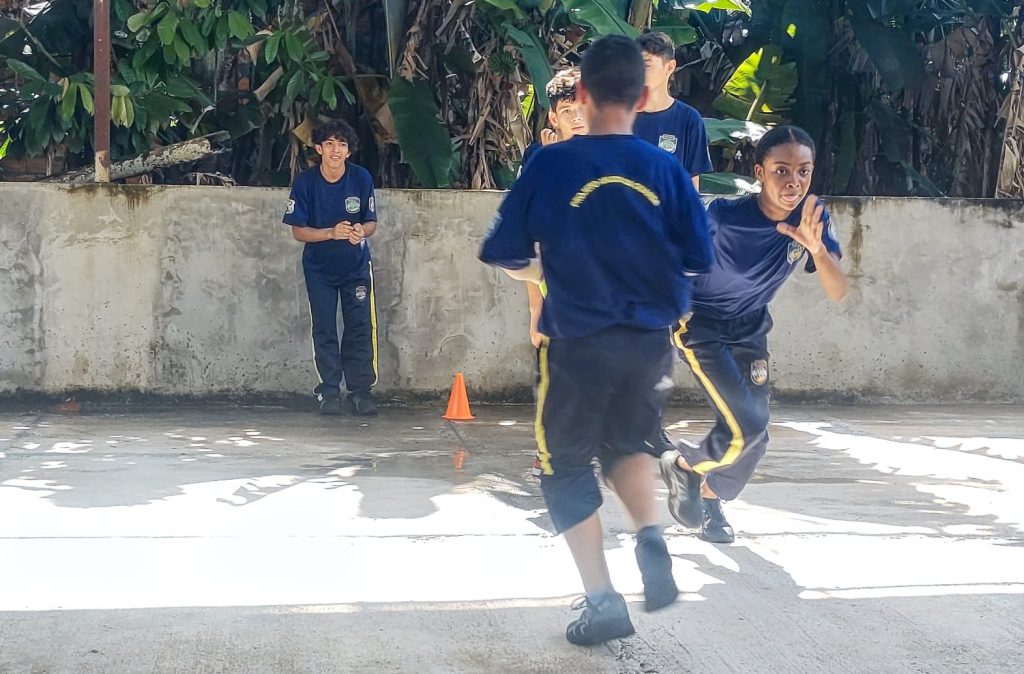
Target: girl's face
point(785, 176)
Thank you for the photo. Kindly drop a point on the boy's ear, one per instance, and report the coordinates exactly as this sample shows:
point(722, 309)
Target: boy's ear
point(552, 118)
point(642, 101)
point(582, 95)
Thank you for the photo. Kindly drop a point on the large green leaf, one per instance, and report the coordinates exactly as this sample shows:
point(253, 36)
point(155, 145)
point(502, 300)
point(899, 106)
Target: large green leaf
point(273, 42)
point(239, 25)
point(765, 77)
point(25, 70)
point(87, 101)
point(674, 25)
point(727, 5)
point(329, 94)
point(506, 6)
point(535, 54)
point(727, 184)
point(421, 135)
point(191, 33)
point(295, 86)
point(167, 27)
point(137, 21)
point(892, 50)
point(729, 132)
point(600, 16)
point(69, 102)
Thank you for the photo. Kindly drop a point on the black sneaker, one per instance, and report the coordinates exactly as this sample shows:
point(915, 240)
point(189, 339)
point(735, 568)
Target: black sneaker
point(716, 528)
point(327, 404)
point(362, 404)
point(656, 570)
point(598, 623)
point(684, 502)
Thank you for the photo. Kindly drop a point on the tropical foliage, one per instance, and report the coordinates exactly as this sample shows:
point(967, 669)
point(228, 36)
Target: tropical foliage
point(902, 96)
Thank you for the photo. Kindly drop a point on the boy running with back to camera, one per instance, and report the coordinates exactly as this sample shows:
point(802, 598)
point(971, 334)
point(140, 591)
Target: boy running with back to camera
point(619, 226)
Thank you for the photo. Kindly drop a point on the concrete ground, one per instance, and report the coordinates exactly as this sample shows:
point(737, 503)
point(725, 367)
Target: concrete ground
point(249, 539)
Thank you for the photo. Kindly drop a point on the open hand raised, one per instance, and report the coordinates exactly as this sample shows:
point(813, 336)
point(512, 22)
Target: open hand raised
point(808, 232)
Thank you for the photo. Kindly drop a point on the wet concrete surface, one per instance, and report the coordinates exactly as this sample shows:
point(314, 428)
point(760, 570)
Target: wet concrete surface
point(262, 539)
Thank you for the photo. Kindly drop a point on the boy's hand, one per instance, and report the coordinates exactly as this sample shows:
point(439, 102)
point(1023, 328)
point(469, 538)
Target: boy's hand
point(547, 137)
point(357, 235)
point(808, 232)
point(536, 338)
point(343, 230)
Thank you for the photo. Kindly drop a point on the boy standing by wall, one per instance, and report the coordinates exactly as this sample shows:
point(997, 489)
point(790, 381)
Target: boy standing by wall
point(333, 211)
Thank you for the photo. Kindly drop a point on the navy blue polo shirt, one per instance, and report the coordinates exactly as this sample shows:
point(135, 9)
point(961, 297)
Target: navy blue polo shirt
point(619, 227)
point(315, 202)
point(752, 259)
point(680, 131)
point(528, 153)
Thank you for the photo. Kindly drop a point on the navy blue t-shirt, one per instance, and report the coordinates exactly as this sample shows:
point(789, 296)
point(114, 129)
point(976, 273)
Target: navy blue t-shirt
point(752, 259)
point(528, 153)
point(679, 130)
point(619, 227)
point(316, 203)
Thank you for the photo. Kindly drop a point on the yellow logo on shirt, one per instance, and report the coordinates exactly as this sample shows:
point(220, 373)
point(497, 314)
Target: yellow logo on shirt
point(589, 188)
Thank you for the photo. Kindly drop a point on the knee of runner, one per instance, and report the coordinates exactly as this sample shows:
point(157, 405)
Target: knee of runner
point(571, 497)
point(756, 422)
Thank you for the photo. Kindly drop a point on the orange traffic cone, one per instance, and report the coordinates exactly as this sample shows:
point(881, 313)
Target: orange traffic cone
point(458, 402)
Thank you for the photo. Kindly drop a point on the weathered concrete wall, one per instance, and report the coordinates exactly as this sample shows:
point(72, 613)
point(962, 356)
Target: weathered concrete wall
point(198, 290)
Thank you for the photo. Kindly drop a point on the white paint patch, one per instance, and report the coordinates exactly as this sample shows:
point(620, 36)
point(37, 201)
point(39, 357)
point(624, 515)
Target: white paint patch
point(1006, 448)
point(988, 485)
point(70, 448)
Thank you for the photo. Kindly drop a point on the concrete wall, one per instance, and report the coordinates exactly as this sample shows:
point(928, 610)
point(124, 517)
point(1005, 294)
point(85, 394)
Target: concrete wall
point(198, 290)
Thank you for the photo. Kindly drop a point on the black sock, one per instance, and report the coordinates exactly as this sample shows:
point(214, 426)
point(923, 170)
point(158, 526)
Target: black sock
point(648, 534)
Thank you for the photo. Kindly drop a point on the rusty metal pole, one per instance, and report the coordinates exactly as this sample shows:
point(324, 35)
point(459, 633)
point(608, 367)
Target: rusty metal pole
point(101, 73)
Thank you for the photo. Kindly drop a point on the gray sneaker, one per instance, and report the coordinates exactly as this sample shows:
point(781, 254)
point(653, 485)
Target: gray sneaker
point(684, 501)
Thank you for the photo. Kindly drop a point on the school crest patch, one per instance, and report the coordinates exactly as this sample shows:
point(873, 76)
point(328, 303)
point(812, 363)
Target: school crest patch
point(361, 293)
point(795, 252)
point(352, 204)
point(290, 208)
point(759, 372)
point(668, 142)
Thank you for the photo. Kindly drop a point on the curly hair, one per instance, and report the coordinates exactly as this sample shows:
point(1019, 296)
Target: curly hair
point(562, 86)
point(338, 129)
